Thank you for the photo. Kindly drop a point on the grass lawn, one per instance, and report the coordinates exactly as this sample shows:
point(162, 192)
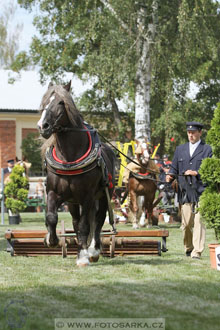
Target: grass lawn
point(184, 291)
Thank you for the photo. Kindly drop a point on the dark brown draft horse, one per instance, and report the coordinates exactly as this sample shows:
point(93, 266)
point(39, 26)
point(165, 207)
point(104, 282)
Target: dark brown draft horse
point(142, 182)
point(80, 171)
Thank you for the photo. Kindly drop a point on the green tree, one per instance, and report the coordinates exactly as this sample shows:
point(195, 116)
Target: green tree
point(31, 151)
point(146, 51)
point(9, 38)
point(16, 190)
point(210, 174)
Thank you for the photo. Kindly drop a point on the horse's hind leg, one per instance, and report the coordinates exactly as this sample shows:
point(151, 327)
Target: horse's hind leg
point(75, 213)
point(134, 209)
point(94, 247)
point(87, 217)
point(51, 239)
point(95, 230)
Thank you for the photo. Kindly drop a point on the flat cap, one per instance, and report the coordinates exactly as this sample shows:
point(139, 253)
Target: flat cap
point(10, 161)
point(193, 126)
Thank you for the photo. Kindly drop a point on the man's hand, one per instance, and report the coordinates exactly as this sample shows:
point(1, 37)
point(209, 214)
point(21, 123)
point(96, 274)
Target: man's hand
point(190, 172)
point(169, 178)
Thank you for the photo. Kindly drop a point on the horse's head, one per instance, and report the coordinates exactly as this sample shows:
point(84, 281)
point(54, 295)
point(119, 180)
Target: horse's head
point(142, 151)
point(26, 165)
point(56, 108)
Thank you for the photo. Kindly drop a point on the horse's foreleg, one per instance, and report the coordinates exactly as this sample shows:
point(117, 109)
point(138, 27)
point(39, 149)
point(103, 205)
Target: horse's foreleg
point(51, 239)
point(87, 216)
point(134, 209)
point(141, 215)
point(149, 213)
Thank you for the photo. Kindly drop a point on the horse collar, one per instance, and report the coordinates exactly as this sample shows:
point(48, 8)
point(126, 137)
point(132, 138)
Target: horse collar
point(78, 160)
point(81, 165)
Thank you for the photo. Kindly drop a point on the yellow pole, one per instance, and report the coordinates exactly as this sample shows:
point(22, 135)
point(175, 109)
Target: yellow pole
point(123, 158)
point(155, 151)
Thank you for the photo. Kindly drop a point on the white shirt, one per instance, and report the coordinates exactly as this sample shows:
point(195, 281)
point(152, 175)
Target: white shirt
point(192, 147)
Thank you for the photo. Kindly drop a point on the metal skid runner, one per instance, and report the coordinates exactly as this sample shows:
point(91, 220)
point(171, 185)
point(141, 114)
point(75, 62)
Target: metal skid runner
point(31, 242)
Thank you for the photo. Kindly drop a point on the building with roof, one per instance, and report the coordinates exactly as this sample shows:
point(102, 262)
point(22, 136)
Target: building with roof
point(15, 124)
point(19, 102)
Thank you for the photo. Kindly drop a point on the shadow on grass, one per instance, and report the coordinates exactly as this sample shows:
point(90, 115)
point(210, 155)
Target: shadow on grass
point(147, 261)
point(38, 307)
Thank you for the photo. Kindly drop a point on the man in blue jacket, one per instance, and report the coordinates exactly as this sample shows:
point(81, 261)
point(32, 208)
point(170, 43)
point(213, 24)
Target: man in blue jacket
point(185, 166)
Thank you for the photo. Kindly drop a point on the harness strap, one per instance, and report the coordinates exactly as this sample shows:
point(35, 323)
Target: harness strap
point(105, 176)
point(71, 172)
point(131, 160)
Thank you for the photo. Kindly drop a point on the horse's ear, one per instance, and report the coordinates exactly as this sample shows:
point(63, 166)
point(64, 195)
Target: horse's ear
point(67, 87)
point(50, 85)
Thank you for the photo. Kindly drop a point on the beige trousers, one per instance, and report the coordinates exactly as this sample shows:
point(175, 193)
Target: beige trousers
point(193, 238)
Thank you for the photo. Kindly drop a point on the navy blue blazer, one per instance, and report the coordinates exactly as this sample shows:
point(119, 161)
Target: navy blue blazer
point(182, 161)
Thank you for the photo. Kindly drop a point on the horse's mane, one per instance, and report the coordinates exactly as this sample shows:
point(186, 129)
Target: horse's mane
point(153, 167)
point(71, 109)
point(46, 144)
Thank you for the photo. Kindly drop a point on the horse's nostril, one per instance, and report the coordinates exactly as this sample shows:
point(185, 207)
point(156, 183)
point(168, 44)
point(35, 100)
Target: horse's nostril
point(45, 126)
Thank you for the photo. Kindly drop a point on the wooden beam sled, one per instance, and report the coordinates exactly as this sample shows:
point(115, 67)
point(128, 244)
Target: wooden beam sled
point(31, 242)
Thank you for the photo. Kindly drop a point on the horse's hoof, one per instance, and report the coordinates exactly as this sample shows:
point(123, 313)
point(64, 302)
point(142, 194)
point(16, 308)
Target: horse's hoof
point(149, 226)
point(82, 262)
point(135, 226)
point(54, 244)
point(143, 225)
point(82, 265)
point(93, 254)
point(47, 240)
point(93, 258)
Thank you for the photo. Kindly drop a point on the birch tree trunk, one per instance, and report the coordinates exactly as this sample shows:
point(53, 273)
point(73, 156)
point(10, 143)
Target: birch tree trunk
point(116, 113)
point(143, 75)
point(145, 39)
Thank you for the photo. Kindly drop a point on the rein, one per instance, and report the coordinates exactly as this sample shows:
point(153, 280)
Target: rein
point(152, 179)
point(72, 129)
point(77, 129)
point(131, 160)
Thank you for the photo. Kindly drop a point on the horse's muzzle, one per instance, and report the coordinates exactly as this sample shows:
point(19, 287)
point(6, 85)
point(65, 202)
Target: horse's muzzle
point(46, 132)
point(144, 160)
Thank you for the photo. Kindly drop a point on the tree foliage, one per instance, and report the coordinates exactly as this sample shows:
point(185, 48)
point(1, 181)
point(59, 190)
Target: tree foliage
point(16, 190)
point(97, 40)
point(9, 38)
point(210, 174)
point(31, 151)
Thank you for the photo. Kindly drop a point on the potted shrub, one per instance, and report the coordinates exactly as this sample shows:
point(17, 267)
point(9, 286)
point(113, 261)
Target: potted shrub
point(210, 174)
point(16, 192)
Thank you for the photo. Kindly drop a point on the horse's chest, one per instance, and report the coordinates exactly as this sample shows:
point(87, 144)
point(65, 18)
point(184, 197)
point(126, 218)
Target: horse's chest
point(75, 189)
point(143, 187)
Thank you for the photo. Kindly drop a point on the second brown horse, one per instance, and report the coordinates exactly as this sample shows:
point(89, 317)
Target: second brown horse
point(142, 181)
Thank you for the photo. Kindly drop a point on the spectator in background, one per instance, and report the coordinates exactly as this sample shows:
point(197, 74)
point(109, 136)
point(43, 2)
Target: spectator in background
point(157, 160)
point(128, 134)
point(10, 166)
point(166, 160)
